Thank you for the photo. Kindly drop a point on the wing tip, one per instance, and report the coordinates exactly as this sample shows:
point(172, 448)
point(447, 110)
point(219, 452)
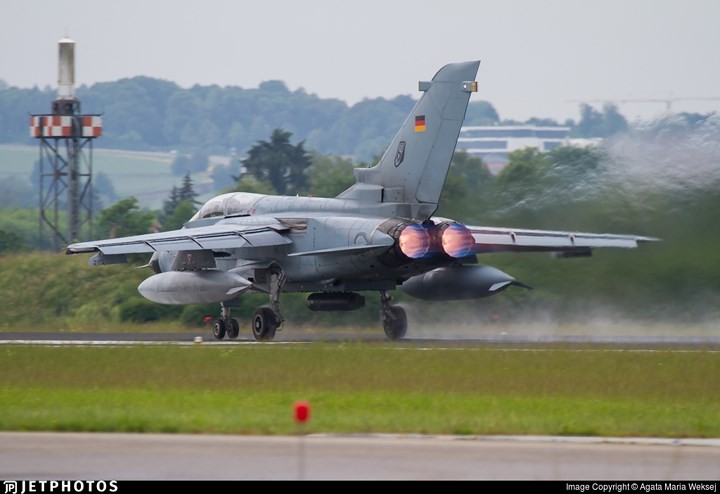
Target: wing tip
point(72, 249)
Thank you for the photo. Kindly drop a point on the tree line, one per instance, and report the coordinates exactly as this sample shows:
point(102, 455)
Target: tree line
point(143, 113)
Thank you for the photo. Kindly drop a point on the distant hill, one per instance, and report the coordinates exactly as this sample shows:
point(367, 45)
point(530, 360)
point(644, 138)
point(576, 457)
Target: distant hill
point(143, 113)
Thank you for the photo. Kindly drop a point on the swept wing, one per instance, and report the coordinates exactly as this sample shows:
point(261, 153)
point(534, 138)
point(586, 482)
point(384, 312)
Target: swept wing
point(231, 235)
point(493, 239)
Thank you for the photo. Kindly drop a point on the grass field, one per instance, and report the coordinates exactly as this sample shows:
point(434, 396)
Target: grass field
point(362, 387)
point(144, 175)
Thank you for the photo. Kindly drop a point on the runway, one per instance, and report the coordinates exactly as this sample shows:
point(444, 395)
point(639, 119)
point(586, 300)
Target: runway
point(63, 456)
point(448, 339)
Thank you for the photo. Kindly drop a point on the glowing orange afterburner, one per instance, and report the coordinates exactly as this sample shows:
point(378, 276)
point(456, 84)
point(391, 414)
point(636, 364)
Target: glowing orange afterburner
point(414, 241)
point(457, 241)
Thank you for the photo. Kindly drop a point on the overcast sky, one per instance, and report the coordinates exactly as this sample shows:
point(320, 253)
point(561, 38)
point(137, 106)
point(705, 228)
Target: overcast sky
point(538, 57)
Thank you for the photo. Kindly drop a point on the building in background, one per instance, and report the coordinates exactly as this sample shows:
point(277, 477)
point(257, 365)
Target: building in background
point(494, 143)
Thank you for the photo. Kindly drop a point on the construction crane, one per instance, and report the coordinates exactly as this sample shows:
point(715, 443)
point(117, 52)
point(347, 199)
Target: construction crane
point(667, 101)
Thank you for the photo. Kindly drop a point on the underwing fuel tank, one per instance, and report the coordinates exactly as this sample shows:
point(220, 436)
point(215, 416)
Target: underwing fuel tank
point(459, 283)
point(193, 287)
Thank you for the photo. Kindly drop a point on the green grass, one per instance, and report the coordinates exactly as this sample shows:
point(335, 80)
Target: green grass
point(361, 388)
point(144, 175)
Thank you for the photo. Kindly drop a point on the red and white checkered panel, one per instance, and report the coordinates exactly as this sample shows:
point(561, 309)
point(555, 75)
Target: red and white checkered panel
point(92, 126)
point(61, 126)
point(51, 126)
point(35, 126)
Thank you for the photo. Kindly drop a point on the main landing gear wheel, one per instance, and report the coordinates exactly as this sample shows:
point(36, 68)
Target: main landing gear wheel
point(232, 328)
point(219, 329)
point(395, 322)
point(394, 318)
point(264, 324)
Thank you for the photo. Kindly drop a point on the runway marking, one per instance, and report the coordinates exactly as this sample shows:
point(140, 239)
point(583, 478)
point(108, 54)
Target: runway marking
point(712, 442)
point(629, 350)
point(121, 343)
point(290, 344)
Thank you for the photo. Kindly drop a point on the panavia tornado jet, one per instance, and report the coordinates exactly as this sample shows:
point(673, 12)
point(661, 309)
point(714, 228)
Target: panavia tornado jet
point(376, 236)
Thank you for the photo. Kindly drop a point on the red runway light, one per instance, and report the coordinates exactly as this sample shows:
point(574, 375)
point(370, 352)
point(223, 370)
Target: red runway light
point(302, 412)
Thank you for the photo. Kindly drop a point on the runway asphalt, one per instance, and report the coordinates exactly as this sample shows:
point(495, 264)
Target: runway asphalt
point(60, 456)
point(289, 336)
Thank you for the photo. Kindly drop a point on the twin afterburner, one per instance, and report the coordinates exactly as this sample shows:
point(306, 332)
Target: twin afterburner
point(425, 240)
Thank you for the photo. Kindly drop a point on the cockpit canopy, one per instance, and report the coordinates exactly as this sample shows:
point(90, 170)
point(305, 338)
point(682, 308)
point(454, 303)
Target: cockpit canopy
point(232, 204)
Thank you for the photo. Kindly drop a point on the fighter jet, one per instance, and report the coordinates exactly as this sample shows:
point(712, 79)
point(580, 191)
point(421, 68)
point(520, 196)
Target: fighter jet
point(376, 236)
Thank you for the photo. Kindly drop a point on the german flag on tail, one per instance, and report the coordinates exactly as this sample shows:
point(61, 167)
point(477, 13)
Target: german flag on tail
point(420, 123)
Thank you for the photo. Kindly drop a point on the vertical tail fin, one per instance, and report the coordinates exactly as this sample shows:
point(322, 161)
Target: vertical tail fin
point(414, 167)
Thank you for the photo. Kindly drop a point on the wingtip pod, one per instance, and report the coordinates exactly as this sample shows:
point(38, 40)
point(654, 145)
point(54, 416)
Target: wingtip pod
point(631, 241)
point(79, 248)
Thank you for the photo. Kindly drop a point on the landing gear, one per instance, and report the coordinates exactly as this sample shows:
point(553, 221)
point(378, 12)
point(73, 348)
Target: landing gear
point(394, 318)
point(277, 280)
point(232, 329)
point(267, 320)
point(219, 329)
point(225, 325)
point(264, 324)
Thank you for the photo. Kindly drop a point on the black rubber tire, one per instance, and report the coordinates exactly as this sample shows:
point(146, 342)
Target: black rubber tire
point(232, 328)
point(219, 329)
point(264, 324)
point(395, 328)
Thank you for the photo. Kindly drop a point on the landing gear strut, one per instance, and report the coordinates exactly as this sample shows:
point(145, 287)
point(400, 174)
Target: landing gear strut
point(225, 325)
point(394, 318)
point(267, 320)
point(277, 280)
